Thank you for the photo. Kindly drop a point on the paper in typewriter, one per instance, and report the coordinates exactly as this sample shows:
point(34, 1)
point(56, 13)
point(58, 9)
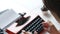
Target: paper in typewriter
point(7, 17)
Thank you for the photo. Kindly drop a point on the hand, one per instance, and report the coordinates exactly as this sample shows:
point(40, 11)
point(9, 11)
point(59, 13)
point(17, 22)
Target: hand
point(49, 27)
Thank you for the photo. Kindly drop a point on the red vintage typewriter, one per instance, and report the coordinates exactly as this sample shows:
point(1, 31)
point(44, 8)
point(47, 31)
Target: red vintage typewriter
point(15, 23)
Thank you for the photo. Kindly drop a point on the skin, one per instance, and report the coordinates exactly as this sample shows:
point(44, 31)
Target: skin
point(52, 29)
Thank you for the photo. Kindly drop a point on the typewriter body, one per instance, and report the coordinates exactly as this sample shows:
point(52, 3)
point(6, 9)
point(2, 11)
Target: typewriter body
point(15, 23)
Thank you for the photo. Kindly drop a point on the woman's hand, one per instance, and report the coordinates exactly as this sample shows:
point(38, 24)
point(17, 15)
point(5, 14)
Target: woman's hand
point(49, 27)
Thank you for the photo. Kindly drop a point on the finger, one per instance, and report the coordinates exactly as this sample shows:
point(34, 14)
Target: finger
point(23, 31)
point(59, 31)
point(45, 24)
point(35, 32)
point(46, 29)
point(50, 23)
point(28, 32)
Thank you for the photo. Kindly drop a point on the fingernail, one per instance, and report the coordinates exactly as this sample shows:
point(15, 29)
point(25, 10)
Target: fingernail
point(35, 32)
point(23, 30)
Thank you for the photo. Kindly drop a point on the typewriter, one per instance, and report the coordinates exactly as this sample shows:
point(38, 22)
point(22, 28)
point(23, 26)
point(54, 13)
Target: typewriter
point(15, 23)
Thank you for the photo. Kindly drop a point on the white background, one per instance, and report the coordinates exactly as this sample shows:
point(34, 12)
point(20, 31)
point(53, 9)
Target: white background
point(20, 5)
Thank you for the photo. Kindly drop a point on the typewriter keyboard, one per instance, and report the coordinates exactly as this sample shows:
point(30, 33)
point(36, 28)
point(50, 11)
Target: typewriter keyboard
point(35, 25)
